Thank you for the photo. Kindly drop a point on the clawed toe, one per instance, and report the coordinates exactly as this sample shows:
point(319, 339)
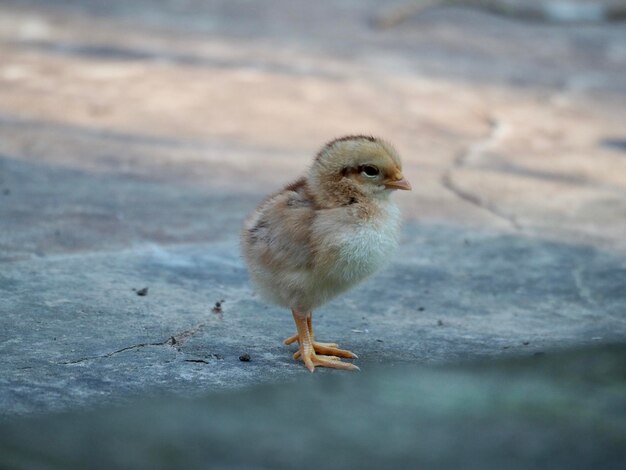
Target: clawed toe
point(333, 351)
point(333, 362)
point(325, 349)
point(312, 360)
point(290, 340)
point(331, 357)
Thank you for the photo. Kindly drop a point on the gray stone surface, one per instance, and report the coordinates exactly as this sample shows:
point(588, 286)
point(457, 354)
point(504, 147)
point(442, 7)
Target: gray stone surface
point(75, 333)
point(557, 411)
point(136, 136)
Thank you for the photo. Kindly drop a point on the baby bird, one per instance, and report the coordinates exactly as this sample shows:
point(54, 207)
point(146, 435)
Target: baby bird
point(325, 233)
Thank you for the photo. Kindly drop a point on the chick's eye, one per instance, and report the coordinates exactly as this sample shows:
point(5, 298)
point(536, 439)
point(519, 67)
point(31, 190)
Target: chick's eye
point(370, 170)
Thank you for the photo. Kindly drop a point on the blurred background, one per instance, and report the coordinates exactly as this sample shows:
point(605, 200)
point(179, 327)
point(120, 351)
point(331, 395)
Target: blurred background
point(136, 136)
point(503, 121)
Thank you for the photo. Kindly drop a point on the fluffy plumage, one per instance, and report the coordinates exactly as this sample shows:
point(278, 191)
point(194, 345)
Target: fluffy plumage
point(324, 233)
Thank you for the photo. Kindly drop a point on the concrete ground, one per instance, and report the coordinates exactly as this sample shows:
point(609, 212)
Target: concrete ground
point(136, 136)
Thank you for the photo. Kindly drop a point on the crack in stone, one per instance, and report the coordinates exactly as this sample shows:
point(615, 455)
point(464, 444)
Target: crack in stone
point(475, 150)
point(583, 291)
point(182, 337)
point(113, 353)
point(176, 340)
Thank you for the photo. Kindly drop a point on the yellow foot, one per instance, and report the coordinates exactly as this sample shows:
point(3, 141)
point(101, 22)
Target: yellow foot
point(328, 349)
point(312, 360)
point(315, 354)
point(294, 338)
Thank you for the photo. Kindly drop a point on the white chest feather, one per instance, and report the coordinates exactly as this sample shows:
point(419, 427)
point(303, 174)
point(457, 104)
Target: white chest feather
point(364, 247)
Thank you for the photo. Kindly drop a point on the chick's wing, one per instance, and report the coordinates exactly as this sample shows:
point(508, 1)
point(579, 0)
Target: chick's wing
point(278, 235)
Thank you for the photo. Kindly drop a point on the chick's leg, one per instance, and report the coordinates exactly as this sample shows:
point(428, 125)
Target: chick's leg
point(307, 351)
point(294, 338)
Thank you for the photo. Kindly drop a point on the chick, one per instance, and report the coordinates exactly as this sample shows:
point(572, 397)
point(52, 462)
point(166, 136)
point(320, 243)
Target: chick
point(325, 233)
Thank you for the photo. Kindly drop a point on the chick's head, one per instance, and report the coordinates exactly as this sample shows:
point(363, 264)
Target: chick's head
point(356, 168)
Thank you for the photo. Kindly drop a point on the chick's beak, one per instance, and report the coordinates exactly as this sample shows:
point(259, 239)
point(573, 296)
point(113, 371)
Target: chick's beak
point(401, 183)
